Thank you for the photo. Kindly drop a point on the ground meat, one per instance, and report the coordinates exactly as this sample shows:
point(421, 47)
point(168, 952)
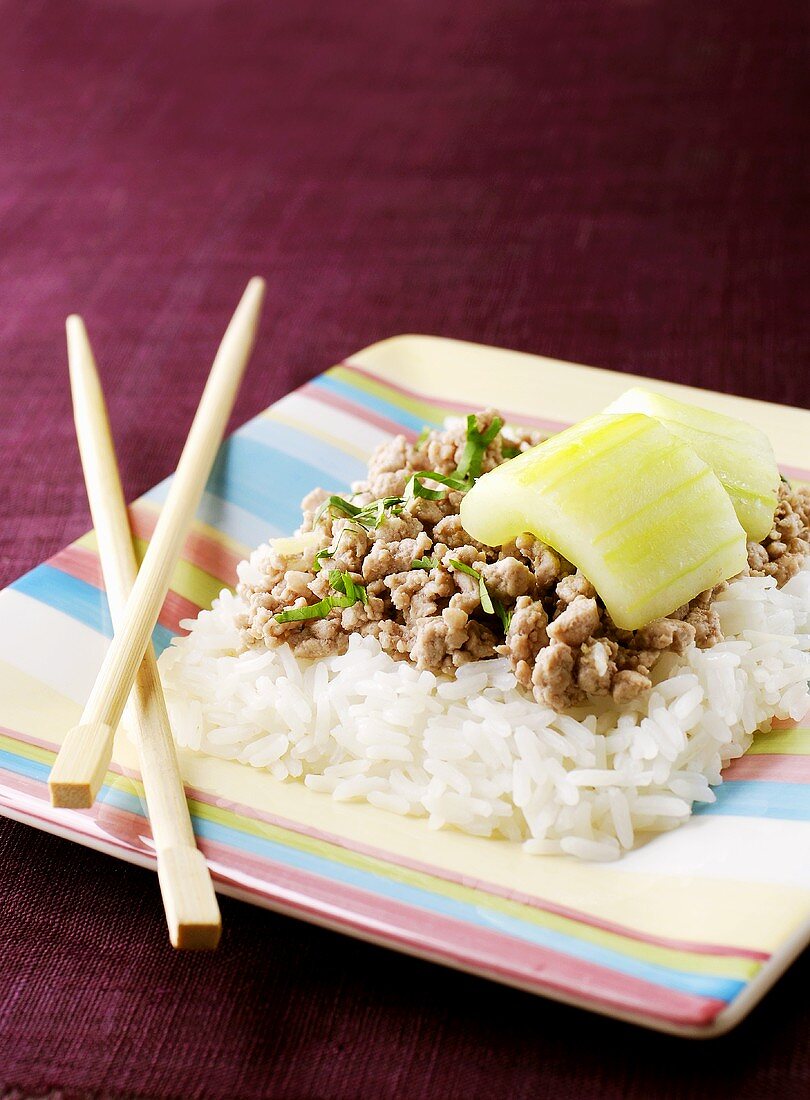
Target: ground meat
point(559, 639)
point(782, 552)
point(576, 584)
point(526, 636)
point(394, 557)
point(448, 530)
point(706, 624)
point(628, 685)
point(596, 666)
point(508, 578)
point(547, 566)
point(578, 622)
point(554, 677)
point(351, 548)
point(666, 634)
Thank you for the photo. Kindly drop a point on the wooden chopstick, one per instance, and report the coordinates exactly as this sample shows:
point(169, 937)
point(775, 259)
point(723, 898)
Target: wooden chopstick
point(83, 759)
point(192, 913)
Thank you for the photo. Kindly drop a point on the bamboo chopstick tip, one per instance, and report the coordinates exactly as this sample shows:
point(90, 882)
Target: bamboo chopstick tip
point(72, 785)
point(192, 912)
point(70, 796)
point(195, 937)
point(253, 297)
point(75, 327)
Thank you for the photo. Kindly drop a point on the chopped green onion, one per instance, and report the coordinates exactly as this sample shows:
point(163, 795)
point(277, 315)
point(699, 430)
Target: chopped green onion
point(349, 593)
point(423, 436)
point(424, 563)
point(342, 582)
point(317, 610)
point(336, 504)
point(504, 615)
point(510, 450)
point(372, 514)
point(416, 488)
point(477, 442)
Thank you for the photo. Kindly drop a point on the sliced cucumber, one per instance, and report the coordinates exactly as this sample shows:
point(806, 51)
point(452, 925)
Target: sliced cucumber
point(626, 501)
point(740, 454)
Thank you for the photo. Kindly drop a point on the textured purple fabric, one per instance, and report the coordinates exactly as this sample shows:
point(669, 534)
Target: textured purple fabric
point(618, 183)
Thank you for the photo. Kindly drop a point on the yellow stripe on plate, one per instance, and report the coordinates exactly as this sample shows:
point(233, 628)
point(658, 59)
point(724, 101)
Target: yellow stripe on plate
point(416, 405)
point(339, 443)
point(790, 742)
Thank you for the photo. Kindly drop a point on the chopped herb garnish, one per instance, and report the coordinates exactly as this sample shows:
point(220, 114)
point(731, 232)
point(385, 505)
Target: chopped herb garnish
point(468, 469)
point(336, 504)
point(510, 450)
point(349, 593)
point(371, 515)
point(477, 442)
point(327, 552)
point(342, 582)
point(417, 488)
point(366, 515)
point(424, 563)
point(423, 436)
point(504, 615)
point(317, 610)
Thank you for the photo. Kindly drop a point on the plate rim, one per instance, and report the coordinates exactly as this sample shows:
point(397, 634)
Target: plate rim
point(725, 1020)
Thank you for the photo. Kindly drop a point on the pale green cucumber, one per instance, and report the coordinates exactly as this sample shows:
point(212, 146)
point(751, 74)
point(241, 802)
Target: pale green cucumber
point(626, 501)
point(740, 454)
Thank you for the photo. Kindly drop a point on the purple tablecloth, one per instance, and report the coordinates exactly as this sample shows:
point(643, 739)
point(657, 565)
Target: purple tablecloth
point(615, 183)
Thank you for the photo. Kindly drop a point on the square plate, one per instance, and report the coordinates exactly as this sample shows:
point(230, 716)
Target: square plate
point(685, 934)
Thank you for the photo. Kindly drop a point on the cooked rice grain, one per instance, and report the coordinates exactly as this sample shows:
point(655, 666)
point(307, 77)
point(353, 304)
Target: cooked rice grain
point(475, 753)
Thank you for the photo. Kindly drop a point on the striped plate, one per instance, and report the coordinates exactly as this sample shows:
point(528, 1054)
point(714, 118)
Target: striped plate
point(684, 934)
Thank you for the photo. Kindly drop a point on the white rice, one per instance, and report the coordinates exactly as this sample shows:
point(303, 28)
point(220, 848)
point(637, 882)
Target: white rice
point(475, 752)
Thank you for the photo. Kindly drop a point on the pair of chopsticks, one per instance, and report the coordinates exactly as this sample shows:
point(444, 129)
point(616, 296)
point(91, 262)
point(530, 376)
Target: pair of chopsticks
point(129, 669)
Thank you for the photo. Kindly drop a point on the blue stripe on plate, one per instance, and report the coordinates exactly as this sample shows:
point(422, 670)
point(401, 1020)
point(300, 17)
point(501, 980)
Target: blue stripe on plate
point(330, 461)
point(704, 985)
point(240, 525)
point(376, 404)
point(758, 798)
point(265, 481)
point(80, 600)
point(264, 484)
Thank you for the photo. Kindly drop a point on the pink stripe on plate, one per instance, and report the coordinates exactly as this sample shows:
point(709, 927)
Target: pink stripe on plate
point(797, 472)
point(334, 401)
point(83, 564)
point(465, 945)
point(210, 556)
point(775, 768)
point(251, 813)
point(455, 406)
